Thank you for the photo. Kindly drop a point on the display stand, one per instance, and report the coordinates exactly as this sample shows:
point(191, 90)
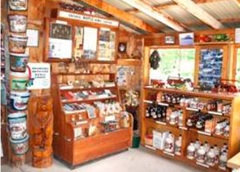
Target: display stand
point(83, 131)
point(152, 94)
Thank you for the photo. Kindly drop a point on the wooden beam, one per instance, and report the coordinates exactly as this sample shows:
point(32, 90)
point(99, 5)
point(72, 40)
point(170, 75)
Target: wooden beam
point(148, 10)
point(198, 12)
point(124, 17)
point(172, 4)
point(237, 2)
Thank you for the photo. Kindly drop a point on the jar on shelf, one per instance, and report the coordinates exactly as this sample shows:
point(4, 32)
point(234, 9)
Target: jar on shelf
point(211, 157)
point(197, 145)
point(223, 160)
point(224, 147)
point(178, 145)
point(217, 153)
point(226, 130)
point(206, 146)
point(201, 154)
point(191, 151)
point(169, 143)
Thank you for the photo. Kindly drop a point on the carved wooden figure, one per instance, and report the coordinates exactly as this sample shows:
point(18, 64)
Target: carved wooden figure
point(42, 133)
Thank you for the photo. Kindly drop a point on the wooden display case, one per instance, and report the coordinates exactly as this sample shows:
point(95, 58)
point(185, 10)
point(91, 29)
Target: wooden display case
point(82, 130)
point(150, 95)
point(73, 141)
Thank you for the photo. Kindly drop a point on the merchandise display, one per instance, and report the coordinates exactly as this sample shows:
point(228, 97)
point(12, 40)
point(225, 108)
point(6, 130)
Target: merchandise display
point(82, 80)
point(87, 103)
point(199, 123)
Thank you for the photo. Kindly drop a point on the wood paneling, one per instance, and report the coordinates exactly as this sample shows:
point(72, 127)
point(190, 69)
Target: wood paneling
point(120, 15)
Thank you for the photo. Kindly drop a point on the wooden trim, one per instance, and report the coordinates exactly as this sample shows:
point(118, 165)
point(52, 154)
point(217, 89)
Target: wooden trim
point(129, 62)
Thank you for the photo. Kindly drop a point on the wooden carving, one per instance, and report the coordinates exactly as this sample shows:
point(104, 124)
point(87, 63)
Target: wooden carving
point(42, 133)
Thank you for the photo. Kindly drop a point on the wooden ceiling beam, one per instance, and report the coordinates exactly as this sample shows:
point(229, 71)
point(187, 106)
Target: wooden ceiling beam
point(148, 10)
point(237, 2)
point(198, 12)
point(124, 17)
point(172, 4)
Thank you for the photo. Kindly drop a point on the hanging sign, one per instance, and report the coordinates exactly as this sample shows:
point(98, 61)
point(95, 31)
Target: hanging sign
point(39, 76)
point(88, 18)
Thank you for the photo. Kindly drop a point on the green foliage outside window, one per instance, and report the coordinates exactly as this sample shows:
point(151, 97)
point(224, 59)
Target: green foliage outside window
point(174, 63)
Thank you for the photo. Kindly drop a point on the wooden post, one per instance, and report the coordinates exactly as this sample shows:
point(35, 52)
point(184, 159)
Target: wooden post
point(42, 133)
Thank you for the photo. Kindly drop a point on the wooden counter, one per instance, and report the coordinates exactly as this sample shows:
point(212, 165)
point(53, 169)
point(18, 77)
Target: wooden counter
point(234, 162)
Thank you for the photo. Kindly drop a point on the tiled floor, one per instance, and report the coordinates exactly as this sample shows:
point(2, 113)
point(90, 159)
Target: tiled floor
point(133, 160)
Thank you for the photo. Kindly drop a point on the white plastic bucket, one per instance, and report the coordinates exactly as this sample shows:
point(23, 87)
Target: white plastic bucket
point(18, 62)
point(20, 147)
point(18, 81)
point(19, 100)
point(17, 44)
point(17, 125)
point(18, 23)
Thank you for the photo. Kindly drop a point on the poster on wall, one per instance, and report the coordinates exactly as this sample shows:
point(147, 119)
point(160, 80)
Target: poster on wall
point(90, 43)
point(106, 49)
point(210, 66)
point(39, 76)
point(60, 41)
point(186, 38)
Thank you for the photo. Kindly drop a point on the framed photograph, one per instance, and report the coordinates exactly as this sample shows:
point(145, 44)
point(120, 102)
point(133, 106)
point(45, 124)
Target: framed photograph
point(122, 47)
point(169, 39)
point(60, 41)
point(186, 39)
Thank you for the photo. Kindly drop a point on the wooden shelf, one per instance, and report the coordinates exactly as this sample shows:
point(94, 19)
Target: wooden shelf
point(129, 62)
point(223, 96)
point(71, 73)
point(88, 100)
point(190, 134)
point(82, 89)
point(214, 43)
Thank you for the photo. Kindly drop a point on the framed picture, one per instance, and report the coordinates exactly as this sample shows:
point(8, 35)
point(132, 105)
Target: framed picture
point(186, 39)
point(122, 47)
point(60, 40)
point(169, 39)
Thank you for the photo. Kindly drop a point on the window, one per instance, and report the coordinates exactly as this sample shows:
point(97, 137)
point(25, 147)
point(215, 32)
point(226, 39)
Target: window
point(174, 63)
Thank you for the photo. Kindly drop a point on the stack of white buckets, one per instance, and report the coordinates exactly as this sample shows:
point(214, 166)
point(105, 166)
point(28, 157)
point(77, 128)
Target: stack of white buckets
point(19, 95)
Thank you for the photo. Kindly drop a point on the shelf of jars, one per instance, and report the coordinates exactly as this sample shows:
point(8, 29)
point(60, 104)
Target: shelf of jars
point(203, 118)
point(197, 152)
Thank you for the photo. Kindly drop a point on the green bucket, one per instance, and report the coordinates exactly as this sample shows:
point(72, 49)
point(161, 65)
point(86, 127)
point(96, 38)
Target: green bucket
point(135, 141)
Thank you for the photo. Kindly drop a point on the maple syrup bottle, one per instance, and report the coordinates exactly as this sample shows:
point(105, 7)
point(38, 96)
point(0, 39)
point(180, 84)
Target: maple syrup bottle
point(159, 112)
point(147, 112)
point(178, 145)
point(201, 154)
point(211, 157)
point(169, 143)
point(191, 151)
point(223, 160)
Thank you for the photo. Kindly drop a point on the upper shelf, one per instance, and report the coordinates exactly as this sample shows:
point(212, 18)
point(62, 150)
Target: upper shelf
point(129, 62)
point(97, 73)
point(224, 96)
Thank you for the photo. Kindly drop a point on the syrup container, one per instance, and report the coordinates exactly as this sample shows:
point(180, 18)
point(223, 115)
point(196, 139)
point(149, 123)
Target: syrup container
point(211, 157)
point(178, 145)
point(201, 154)
point(191, 151)
point(169, 143)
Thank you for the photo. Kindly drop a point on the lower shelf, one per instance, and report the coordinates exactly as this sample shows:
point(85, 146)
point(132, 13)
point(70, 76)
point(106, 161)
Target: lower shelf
point(184, 159)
